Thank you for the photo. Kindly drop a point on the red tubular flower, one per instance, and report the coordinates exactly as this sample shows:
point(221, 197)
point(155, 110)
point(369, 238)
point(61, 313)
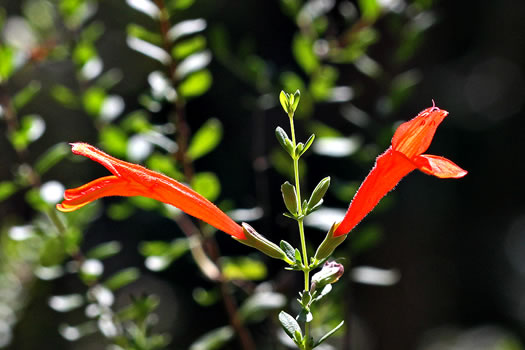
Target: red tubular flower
point(130, 179)
point(410, 140)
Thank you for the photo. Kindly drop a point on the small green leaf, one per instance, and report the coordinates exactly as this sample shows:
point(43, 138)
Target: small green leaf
point(144, 34)
point(283, 98)
point(289, 197)
point(104, 250)
point(298, 258)
point(370, 9)
point(283, 139)
point(243, 268)
point(289, 324)
point(207, 184)
point(7, 58)
point(7, 188)
point(93, 99)
point(122, 278)
point(319, 192)
point(327, 335)
point(258, 304)
point(213, 340)
point(25, 95)
point(308, 143)
point(303, 50)
point(64, 96)
point(288, 250)
point(205, 139)
point(51, 157)
point(295, 101)
point(114, 140)
point(189, 46)
point(195, 84)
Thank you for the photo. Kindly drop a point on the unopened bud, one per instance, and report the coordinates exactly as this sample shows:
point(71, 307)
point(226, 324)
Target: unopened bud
point(329, 244)
point(256, 240)
point(330, 273)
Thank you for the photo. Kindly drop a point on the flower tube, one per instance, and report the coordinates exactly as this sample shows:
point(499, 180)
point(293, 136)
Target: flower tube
point(410, 140)
point(130, 179)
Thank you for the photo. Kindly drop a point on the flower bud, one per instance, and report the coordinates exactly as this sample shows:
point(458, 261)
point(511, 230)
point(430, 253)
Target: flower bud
point(329, 244)
point(330, 273)
point(259, 242)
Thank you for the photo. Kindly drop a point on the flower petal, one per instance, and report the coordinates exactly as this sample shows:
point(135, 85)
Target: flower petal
point(414, 137)
point(438, 166)
point(389, 169)
point(136, 180)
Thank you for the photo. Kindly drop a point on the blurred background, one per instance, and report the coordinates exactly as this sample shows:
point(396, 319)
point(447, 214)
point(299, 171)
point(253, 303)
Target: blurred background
point(190, 88)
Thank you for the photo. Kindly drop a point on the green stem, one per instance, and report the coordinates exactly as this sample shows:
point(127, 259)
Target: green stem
point(306, 268)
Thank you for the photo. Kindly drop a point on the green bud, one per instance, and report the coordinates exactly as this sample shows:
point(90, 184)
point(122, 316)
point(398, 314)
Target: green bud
point(284, 99)
point(329, 244)
point(284, 140)
point(318, 193)
point(294, 100)
point(289, 197)
point(259, 242)
point(330, 273)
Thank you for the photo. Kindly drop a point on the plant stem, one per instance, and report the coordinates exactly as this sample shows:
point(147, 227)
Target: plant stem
point(306, 265)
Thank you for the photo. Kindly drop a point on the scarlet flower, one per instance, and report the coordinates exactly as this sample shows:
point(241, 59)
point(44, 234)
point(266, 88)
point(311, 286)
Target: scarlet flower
point(130, 179)
point(410, 140)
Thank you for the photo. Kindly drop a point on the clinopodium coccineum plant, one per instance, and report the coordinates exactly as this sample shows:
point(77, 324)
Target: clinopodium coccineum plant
point(405, 154)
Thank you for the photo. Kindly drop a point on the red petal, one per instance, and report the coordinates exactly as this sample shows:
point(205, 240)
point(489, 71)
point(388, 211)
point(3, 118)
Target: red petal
point(389, 169)
point(139, 181)
point(414, 137)
point(438, 166)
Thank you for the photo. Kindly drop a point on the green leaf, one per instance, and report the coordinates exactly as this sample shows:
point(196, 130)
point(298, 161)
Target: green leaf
point(93, 99)
point(319, 192)
point(189, 46)
point(207, 184)
point(214, 339)
point(283, 139)
point(205, 139)
point(289, 197)
point(7, 66)
point(304, 54)
point(164, 164)
point(256, 307)
point(288, 250)
point(7, 188)
point(283, 98)
point(196, 84)
point(142, 33)
point(30, 129)
point(327, 335)
point(64, 96)
point(180, 4)
point(308, 143)
point(305, 316)
point(205, 297)
point(243, 268)
point(322, 83)
point(51, 157)
point(25, 95)
point(104, 250)
point(298, 258)
point(83, 52)
point(52, 252)
point(370, 9)
point(114, 140)
point(122, 278)
point(289, 324)
point(154, 248)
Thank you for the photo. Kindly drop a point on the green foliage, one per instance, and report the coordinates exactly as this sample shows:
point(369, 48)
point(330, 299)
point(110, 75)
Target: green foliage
point(207, 184)
point(205, 139)
point(196, 84)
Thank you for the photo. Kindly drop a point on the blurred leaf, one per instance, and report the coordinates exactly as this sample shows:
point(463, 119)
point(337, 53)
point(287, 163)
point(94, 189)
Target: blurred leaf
point(189, 46)
point(140, 308)
point(83, 52)
point(7, 188)
point(323, 80)
point(7, 66)
point(30, 129)
point(65, 303)
point(207, 184)
point(25, 95)
point(185, 28)
point(344, 191)
point(195, 84)
point(402, 86)
point(52, 252)
point(142, 33)
point(51, 157)
point(114, 140)
point(205, 139)
point(358, 44)
point(120, 211)
point(243, 268)
point(205, 297)
point(122, 278)
point(104, 250)
point(154, 248)
point(180, 4)
point(255, 308)
point(137, 122)
point(303, 51)
point(370, 9)
point(193, 63)
point(64, 96)
point(147, 7)
point(214, 339)
point(365, 238)
point(322, 130)
point(159, 254)
point(164, 164)
point(93, 99)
